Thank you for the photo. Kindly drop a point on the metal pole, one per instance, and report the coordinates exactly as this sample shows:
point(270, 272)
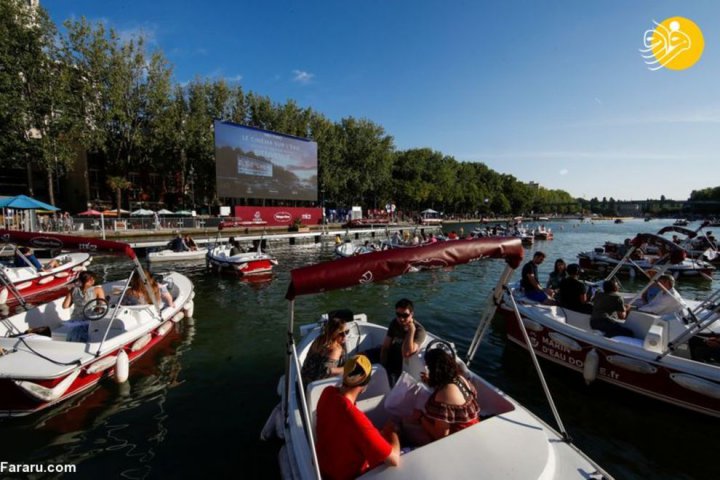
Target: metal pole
point(564, 433)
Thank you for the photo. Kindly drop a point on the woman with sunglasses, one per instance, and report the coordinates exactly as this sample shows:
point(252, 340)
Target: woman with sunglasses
point(327, 353)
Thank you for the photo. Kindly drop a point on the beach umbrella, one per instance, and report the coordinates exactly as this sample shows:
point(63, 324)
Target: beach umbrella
point(164, 211)
point(429, 210)
point(90, 213)
point(183, 212)
point(141, 212)
point(23, 202)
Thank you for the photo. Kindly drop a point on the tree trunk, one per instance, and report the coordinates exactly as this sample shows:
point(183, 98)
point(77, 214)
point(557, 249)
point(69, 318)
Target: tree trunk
point(30, 178)
point(51, 186)
point(119, 198)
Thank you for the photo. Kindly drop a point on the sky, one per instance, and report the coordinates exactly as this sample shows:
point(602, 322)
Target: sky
point(550, 91)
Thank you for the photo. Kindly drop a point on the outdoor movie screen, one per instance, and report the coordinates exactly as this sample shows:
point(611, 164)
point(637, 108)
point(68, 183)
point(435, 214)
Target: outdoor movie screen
point(254, 163)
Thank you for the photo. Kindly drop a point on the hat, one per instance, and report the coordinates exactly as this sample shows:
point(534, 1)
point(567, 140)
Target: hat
point(573, 269)
point(357, 371)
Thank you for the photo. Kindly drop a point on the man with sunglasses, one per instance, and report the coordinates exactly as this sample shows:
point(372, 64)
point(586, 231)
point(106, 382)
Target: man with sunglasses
point(404, 338)
point(348, 444)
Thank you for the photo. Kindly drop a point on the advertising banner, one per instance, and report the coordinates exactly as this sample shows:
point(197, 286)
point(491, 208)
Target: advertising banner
point(276, 216)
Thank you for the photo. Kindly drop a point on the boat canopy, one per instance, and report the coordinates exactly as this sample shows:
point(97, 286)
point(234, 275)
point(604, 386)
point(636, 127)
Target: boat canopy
point(685, 231)
point(677, 253)
point(376, 266)
point(69, 242)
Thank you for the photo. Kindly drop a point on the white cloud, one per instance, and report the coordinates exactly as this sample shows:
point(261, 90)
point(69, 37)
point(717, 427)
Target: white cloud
point(146, 31)
point(303, 77)
point(234, 79)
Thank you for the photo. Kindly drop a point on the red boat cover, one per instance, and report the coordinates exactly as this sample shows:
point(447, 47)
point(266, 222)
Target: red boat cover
point(685, 231)
point(375, 266)
point(677, 253)
point(68, 242)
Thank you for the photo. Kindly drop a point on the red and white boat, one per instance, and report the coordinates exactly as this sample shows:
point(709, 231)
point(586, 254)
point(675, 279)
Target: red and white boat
point(244, 263)
point(613, 256)
point(657, 361)
point(19, 285)
point(41, 369)
point(506, 425)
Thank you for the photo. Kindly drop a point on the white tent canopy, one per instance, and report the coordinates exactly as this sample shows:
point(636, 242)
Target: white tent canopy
point(164, 211)
point(141, 213)
point(429, 211)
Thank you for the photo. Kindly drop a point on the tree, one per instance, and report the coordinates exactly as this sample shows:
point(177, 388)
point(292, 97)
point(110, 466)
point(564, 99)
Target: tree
point(118, 184)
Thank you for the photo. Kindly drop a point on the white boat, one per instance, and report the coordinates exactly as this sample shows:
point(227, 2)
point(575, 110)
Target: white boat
point(20, 285)
point(510, 442)
point(657, 361)
point(245, 263)
point(173, 256)
point(66, 355)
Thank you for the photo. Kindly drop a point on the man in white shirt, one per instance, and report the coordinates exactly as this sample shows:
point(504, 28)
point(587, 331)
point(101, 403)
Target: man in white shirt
point(667, 301)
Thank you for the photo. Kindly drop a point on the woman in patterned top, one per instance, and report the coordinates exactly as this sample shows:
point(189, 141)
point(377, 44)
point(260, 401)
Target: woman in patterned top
point(453, 404)
point(327, 353)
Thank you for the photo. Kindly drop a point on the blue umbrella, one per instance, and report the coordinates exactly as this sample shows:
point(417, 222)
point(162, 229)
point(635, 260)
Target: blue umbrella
point(25, 203)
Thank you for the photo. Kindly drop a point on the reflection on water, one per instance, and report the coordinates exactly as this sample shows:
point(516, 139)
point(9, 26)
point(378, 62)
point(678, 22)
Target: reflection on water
point(210, 387)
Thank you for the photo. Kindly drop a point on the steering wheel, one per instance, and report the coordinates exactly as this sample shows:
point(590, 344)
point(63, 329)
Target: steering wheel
point(96, 309)
point(443, 345)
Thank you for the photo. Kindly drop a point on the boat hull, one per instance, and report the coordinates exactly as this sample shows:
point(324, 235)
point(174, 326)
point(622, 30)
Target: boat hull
point(642, 374)
point(42, 287)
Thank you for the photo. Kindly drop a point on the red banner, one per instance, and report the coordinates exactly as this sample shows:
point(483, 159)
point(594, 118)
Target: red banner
point(276, 216)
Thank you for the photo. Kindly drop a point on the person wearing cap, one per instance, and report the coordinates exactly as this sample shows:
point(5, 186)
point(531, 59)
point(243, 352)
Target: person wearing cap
point(666, 299)
point(348, 444)
point(327, 354)
point(404, 337)
point(572, 293)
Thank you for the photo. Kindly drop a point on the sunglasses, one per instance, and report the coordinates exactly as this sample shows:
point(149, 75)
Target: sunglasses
point(403, 315)
point(344, 333)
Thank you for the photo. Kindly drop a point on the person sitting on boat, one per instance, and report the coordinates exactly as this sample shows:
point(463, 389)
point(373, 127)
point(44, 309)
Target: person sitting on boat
point(664, 299)
point(348, 444)
point(190, 243)
point(235, 248)
point(557, 275)
point(453, 404)
point(30, 257)
point(137, 294)
point(177, 244)
point(431, 238)
point(404, 337)
point(608, 307)
point(452, 235)
point(572, 293)
point(83, 292)
point(704, 348)
point(529, 281)
point(327, 354)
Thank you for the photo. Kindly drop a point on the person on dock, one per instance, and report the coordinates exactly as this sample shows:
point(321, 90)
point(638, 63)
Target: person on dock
point(327, 354)
point(608, 308)
point(404, 337)
point(348, 444)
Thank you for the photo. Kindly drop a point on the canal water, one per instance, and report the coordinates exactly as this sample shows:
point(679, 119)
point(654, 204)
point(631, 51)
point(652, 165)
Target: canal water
point(195, 406)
